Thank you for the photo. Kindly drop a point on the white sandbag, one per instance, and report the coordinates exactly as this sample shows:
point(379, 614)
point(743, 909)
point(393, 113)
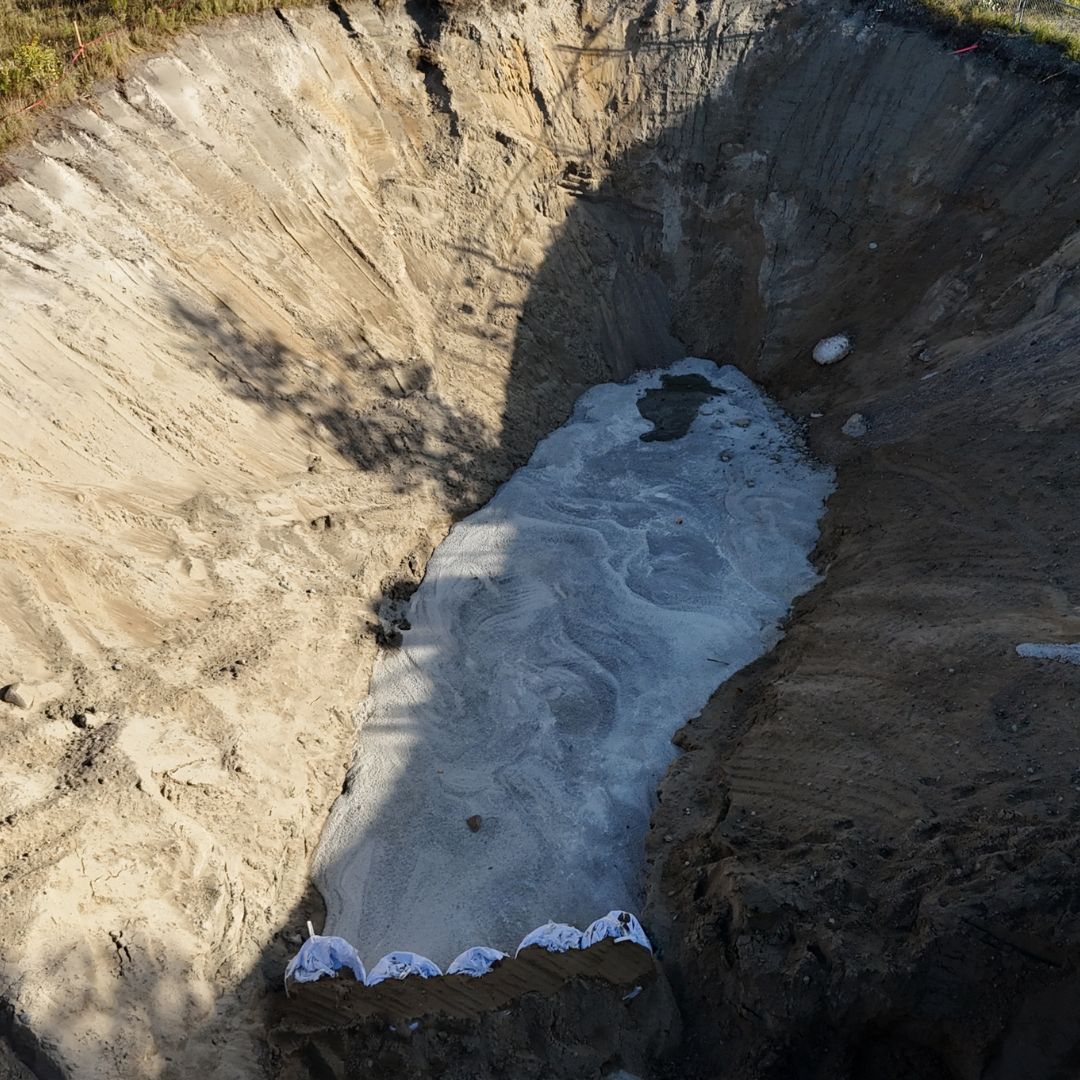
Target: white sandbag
point(400, 965)
point(476, 961)
point(553, 936)
point(620, 925)
point(320, 956)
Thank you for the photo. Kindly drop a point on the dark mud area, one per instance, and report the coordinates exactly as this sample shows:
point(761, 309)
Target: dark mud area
point(672, 408)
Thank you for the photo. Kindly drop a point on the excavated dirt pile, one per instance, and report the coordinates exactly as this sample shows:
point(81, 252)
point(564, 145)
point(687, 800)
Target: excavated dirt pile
point(278, 306)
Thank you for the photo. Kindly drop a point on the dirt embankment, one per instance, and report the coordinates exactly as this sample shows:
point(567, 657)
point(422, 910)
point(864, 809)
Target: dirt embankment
point(279, 305)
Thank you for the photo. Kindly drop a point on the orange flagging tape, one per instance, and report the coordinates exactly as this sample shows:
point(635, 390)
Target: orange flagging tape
point(76, 56)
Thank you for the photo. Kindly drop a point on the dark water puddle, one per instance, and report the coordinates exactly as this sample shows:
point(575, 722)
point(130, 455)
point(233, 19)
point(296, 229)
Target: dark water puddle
point(672, 407)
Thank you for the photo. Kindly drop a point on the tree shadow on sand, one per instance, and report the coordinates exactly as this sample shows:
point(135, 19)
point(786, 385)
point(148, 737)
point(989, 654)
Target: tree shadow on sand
point(383, 415)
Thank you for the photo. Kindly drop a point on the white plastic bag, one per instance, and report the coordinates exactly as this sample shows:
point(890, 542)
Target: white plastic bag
point(320, 956)
point(400, 965)
point(1050, 651)
point(476, 961)
point(620, 925)
point(555, 937)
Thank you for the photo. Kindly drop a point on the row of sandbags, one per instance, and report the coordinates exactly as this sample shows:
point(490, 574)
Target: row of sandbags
point(324, 956)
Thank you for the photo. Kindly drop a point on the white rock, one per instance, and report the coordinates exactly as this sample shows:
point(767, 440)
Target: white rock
point(829, 350)
point(855, 426)
point(18, 695)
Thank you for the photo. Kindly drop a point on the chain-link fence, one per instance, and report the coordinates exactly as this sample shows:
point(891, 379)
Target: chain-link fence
point(1064, 11)
point(1049, 17)
point(1052, 21)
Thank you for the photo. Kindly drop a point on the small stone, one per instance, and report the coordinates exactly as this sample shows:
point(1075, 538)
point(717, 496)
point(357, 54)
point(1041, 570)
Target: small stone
point(831, 349)
point(474, 822)
point(855, 426)
point(18, 695)
point(816, 415)
point(81, 720)
point(872, 245)
point(668, 838)
point(727, 455)
point(117, 666)
point(743, 422)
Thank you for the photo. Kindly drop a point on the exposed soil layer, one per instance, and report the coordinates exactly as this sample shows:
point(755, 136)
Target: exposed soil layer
point(890, 838)
point(280, 305)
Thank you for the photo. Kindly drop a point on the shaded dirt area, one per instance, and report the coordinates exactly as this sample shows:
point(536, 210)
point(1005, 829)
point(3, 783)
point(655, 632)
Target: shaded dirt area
point(877, 873)
point(865, 865)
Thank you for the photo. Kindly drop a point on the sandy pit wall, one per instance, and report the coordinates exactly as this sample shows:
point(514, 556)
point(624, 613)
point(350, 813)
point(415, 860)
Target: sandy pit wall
point(258, 302)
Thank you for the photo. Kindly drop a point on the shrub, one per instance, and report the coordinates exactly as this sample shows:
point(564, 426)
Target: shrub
point(31, 67)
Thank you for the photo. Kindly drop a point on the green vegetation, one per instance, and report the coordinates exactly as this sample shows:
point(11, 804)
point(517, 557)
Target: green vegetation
point(41, 57)
point(31, 68)
point(40, 45)
point(1047, 23)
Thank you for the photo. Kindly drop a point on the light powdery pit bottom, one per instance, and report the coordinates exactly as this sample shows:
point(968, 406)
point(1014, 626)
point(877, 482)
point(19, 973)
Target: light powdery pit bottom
point(562, 634)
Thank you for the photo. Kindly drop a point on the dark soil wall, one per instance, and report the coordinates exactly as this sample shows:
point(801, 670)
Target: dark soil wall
point(865, 865)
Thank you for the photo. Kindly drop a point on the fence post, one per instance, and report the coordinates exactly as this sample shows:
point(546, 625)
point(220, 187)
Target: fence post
point(1018, 22)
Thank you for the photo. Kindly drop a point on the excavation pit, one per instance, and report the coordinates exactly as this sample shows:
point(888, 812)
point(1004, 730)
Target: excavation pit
point(287, 302)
